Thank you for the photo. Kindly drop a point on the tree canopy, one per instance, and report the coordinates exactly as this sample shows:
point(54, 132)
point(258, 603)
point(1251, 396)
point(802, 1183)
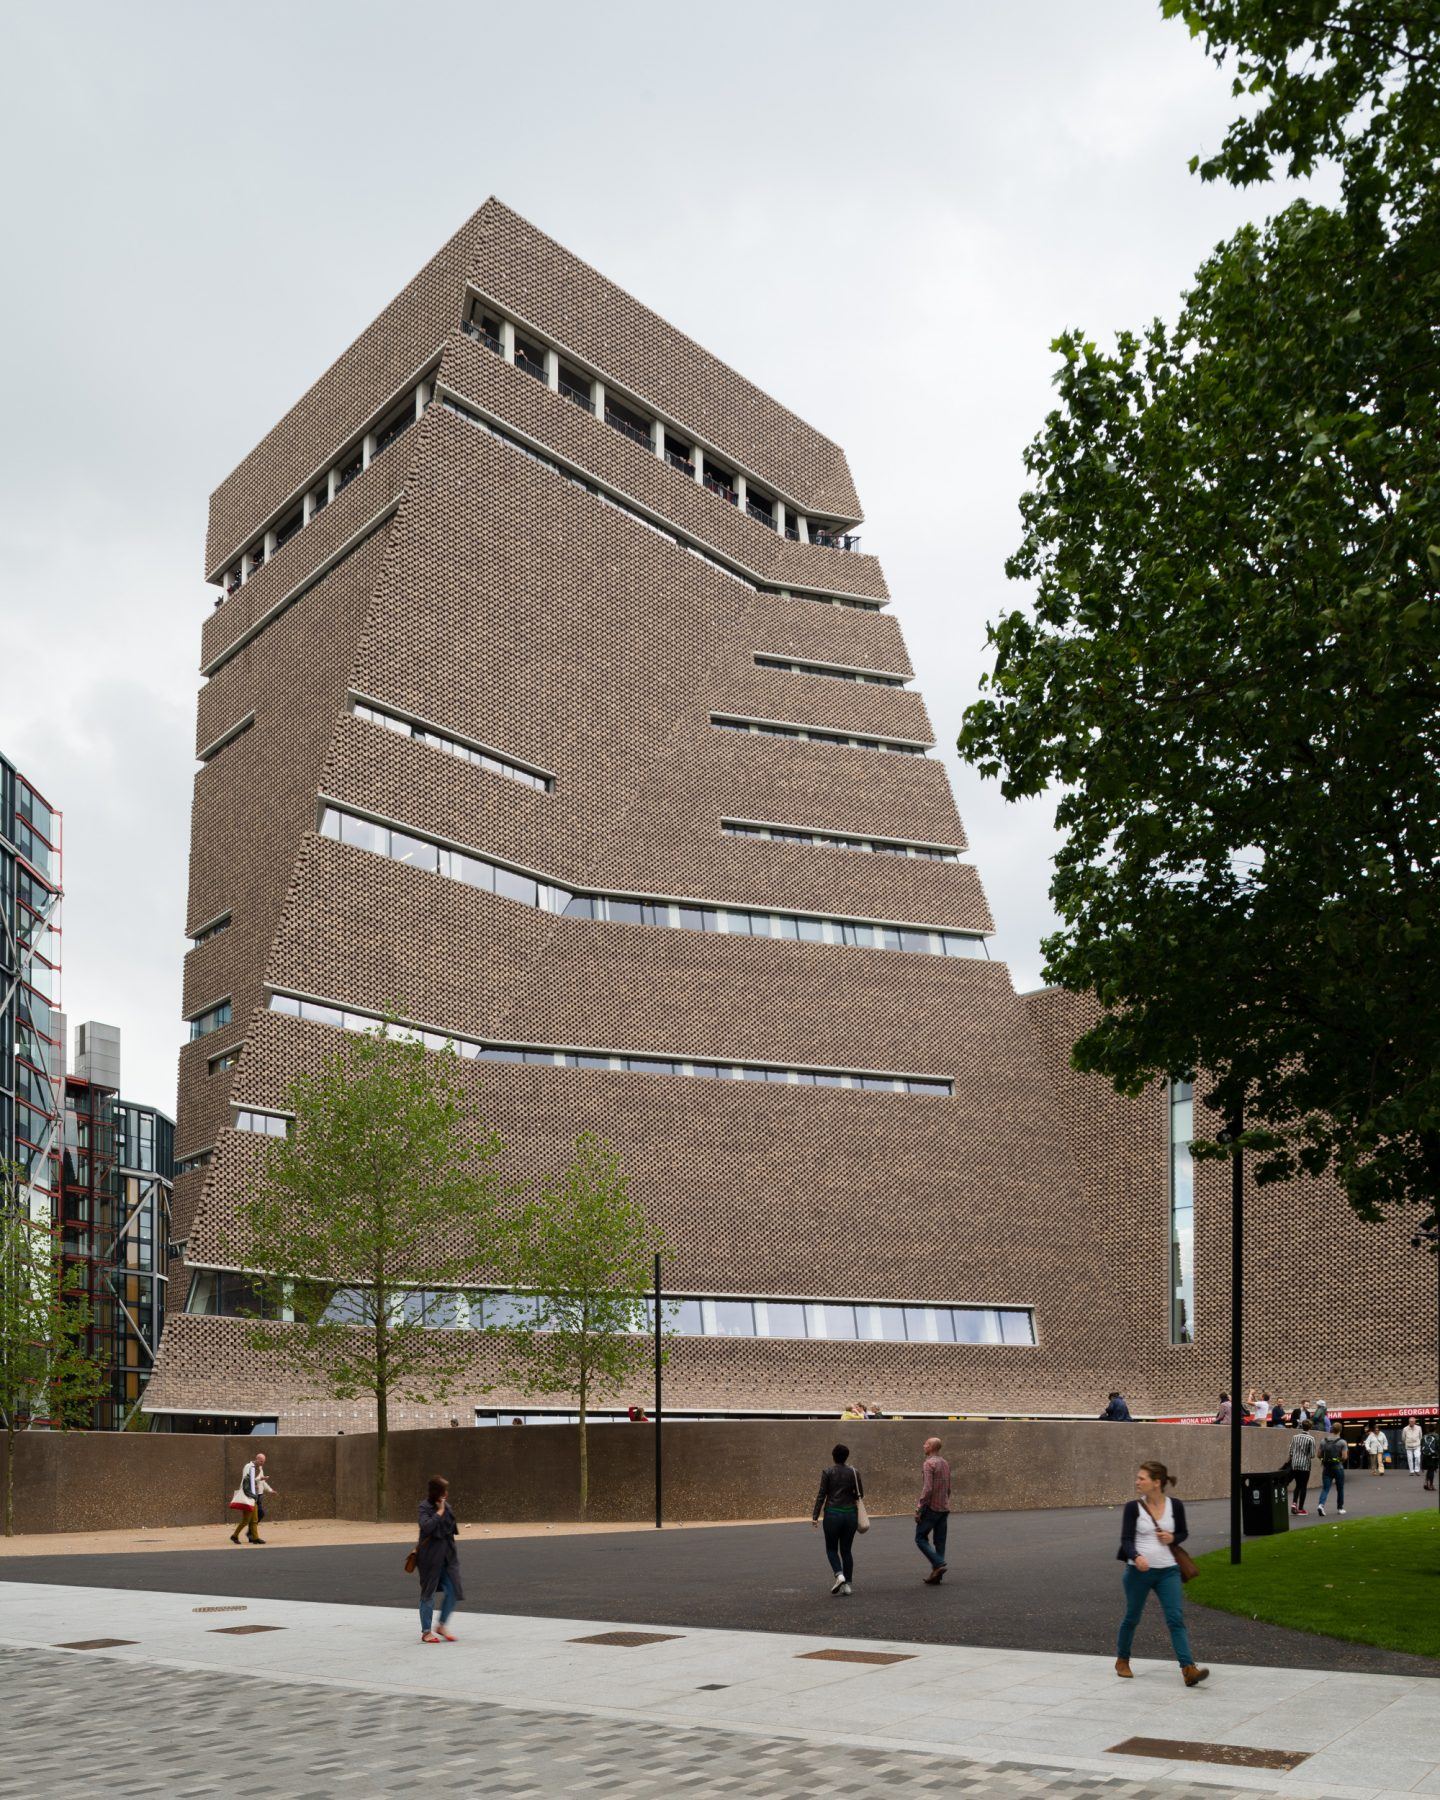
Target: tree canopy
point(1231, 666)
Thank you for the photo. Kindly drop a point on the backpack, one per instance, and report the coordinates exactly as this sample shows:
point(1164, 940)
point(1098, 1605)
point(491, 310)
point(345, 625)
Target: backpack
point(1332, 1453)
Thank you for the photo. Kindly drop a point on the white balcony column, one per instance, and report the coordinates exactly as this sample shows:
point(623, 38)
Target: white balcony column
point(507, 340)
point(657, 438)
point(307, 506)
point(367, 450)
point(699, 464)
point(423, 396)
point(270, 545)
point(802, 525)
point(552, 371)
point(597, 394)
point(740, 492)
point(332, 483)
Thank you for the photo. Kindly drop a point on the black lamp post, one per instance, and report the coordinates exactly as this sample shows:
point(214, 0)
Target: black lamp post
point(1231, 1135)
point(1428, 1237)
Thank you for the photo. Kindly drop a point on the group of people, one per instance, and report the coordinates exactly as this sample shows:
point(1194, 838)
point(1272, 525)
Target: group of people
point(862, 1409)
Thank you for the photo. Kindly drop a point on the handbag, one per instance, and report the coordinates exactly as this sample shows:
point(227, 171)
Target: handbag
point(1185, 1563)
point(862, 1515)
point(240, 1501)
point(412, 1561)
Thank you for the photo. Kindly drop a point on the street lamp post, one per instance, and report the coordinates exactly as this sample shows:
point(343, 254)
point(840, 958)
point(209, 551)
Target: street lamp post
point(1428, 1237)
point(1237, 1322)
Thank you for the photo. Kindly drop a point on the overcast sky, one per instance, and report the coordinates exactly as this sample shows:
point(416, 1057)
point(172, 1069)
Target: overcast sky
point(881, 214)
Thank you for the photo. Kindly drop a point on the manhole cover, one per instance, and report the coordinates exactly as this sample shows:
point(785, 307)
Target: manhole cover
point(860, 1656)
point(628, 1639)
point(1236, 1755)
point(241, 1630)
point(97, 1644)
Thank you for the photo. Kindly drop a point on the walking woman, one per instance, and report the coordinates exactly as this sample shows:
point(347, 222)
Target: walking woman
point(841, 1495)
point(1152, 1528)
point(438, 1563)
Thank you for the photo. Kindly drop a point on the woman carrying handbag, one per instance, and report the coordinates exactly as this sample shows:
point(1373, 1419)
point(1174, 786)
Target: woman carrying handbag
point(841, 1502)
point(1152, 1529)
point(437, 1563)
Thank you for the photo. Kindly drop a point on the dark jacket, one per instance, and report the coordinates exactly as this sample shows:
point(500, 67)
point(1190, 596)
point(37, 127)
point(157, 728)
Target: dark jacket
point(840, 1490)
point(1117, 1409)
point(1130, 1518)
point(437, 1551)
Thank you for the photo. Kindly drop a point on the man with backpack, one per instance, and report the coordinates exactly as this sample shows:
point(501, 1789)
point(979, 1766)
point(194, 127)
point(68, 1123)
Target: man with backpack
point(1333, 1451)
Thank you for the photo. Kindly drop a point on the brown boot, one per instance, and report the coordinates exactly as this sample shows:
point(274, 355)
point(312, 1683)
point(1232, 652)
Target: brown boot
point(1123, 1669)
point(1194, 1676)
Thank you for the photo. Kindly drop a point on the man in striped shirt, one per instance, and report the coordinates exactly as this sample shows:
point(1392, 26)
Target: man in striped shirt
point(932, 1513)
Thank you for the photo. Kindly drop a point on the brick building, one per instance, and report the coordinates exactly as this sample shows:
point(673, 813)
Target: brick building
point(551, 702)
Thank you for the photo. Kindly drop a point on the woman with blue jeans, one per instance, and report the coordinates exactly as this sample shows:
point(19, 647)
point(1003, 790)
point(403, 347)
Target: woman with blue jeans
point(1152, 1528)
point(437, 1562)
point(841, 1491)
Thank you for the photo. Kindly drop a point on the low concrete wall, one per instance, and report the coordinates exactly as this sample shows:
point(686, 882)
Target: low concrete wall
point(769, 1469)
point(749, 1469)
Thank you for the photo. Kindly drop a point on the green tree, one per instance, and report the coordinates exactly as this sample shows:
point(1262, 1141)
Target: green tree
point(46, 1369)
point(1231, 667)
point(579, 1260)
point(366, 1223)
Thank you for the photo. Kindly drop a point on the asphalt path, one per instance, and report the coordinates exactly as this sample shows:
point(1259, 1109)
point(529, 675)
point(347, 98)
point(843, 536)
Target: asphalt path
point(1019, 1580)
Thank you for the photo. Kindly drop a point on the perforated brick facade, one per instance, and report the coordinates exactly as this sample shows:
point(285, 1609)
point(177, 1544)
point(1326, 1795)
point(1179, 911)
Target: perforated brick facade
point(468, 586)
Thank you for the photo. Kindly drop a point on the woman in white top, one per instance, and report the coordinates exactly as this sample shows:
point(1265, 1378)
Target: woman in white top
point(1410, 1438)
point(1152, 1528)
point(1377, 1447)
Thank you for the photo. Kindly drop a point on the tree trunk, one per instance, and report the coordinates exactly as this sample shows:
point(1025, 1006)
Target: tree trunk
point(9, 1477)
point(584, 1446)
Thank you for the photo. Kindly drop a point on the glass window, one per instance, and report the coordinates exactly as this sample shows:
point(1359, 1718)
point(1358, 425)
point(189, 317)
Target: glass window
point(734, 1318)
point(976, 1325)
point(834, 1320)
point(685, 1317)
point(783, 927)
point(364, 835)
point(691, 918)
point(511, 886)
point(810, 931)
point(1017, 1328)
point(656, 913)
point(470, 869)
point(920, 1325)
point(916, 942)
point(625, 912)
point(581, 906)
point(508, 1309)
point(322, 1015)
point(415, 851)
point(786, 1319)
point(540, 1056)
point(886, 1323)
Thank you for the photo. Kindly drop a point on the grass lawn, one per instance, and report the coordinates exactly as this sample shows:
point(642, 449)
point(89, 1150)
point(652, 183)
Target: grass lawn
point(1376, 1581)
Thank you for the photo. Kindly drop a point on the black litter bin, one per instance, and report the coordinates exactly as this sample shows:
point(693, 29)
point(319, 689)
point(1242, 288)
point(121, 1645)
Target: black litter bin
point(1264, 1504)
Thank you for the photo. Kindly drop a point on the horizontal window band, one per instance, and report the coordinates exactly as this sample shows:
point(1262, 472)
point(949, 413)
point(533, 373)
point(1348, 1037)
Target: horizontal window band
point(594, 373)
point(832, 671)
point(211, 928)
point(232, 1293)
point(397, 843)
point(376, 522)
point(213, 1017)
point(343, 1018)
point(465, 750)
point(818, 734)
point(225, 737)
point(476, 416)
point(347, 447)
point(840, 840)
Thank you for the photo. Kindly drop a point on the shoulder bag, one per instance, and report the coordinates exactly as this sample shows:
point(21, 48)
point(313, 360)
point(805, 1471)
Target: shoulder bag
point(862, 1516)
point(412, 1561)
point(1184, 1562)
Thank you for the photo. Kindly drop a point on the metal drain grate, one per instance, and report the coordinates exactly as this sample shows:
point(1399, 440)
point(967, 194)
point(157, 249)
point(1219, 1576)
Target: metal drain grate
point(860, 1656)
point(210, 1609)
point(241, 1630)
point(1237, 1756)
point(629, 1640)
point(97, 1644)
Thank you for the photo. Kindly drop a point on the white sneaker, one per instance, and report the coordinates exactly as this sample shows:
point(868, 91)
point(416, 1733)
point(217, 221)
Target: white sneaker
point(838, 1584)
point(1342, 1512)
point(1321, 1511)
point(847, 1589)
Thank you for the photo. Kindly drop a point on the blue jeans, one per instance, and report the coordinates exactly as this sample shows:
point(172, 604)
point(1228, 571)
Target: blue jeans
point(931, 1524)
point(446, 1590)
point(1334, 1477)
point(840, 1529)
point(1168, 1587)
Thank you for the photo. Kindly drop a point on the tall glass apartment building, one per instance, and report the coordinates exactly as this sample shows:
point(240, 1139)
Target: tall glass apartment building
point(32, 1058)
